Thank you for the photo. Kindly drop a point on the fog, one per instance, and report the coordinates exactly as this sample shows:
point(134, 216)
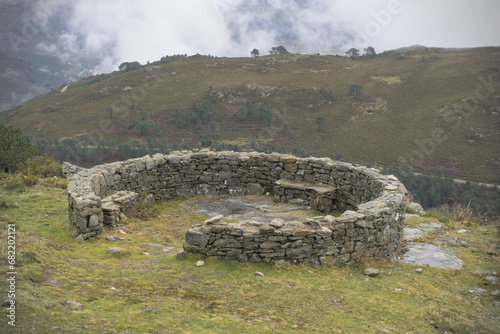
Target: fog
point(146, 30)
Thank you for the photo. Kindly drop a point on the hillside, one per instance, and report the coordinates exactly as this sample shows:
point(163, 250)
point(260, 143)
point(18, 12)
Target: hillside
point(422, 107)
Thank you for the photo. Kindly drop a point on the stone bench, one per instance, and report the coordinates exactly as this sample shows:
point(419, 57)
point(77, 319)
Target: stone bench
point(319, 197)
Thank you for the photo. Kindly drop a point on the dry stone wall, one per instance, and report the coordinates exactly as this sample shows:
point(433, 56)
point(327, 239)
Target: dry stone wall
point(371, 227)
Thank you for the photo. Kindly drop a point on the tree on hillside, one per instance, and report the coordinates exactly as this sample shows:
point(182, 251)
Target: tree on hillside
point(278, 50)
point(242, 114)
point(285, 128)
point(356, 91)
point(129, 66)
point(143, 116)
point(266, 115)
point(321, 122)
point(15, 148)
point(142, 127)
point(370, 52)
point(214, 129)
point(353, 53)
point(110, 109)
point(255, 53)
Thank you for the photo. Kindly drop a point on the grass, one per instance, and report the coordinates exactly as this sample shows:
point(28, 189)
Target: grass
point(158, 293)
point(404, 102)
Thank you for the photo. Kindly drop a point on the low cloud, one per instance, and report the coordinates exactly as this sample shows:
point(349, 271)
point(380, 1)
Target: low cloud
point(130, 30)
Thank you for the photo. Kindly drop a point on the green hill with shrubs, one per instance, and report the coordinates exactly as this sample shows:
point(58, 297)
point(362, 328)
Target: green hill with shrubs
point(425, 108)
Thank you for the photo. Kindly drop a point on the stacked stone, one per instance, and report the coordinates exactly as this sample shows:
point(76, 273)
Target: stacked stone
point(95, 199)
point(84, 202)
point(374, 231)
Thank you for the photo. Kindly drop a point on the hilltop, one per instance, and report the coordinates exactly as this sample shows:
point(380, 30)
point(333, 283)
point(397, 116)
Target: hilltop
point(422, 107)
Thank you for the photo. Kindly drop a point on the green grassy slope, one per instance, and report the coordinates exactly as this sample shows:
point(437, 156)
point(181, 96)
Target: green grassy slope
point(414, 108)
point(144, 290)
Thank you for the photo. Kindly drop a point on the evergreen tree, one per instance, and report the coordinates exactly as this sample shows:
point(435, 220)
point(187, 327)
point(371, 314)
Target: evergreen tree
point(15, 148)
point(356, 91)
point(353, 53)
point(214, 129)
point(321, 122)
point(370, 52)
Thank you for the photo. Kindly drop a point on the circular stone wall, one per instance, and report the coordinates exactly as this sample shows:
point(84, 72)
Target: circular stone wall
point(371, 225)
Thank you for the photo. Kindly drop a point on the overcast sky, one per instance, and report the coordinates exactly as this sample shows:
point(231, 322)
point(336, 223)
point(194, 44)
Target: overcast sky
point(146, 30)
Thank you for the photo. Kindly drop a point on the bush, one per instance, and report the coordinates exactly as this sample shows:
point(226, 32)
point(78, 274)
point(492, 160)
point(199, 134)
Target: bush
point(56, 182)
point(12, 183)
point(142, 209)
point(463, 213)
point(42, 166)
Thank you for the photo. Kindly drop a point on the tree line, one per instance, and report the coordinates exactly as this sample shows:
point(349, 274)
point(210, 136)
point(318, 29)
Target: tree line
point(434, 189)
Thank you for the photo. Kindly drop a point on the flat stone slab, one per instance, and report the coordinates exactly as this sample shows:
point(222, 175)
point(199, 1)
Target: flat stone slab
point(412, 234)
point(420, 253)
point(250, 208)
point(323, 189)
point(430, 227)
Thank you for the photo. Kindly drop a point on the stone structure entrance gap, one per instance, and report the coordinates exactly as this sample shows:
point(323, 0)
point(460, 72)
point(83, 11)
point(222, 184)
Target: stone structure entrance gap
point(370, 227)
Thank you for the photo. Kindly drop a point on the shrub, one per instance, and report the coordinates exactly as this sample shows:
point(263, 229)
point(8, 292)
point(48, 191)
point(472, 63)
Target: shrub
point(142, 209)
point(463, 213)
point(43, 166)
point(56, 182)
point(15, 148)
point(12, 183)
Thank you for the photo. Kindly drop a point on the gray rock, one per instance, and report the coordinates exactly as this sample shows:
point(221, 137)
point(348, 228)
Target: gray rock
point(372, 272)
point(277, 222)
point(75, 233)
point(93, 221)
point(412, 234)
point(115, 250)
point(426, 254)
point(165, 248)
point(417, 208)
point(196, 238)
point(490, 279)
point(255, 189)
point(283, 262)
point(236, 191)
point(477, 290)
point(430, 227)
point(495, 293)
point(213, 220)
point(299, 252)
point(485, 272)
point(445, 240)
point(462, 231)
point(112, 238)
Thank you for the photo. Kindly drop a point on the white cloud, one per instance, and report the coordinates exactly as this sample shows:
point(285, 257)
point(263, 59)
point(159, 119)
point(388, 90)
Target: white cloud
point(131, 30)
